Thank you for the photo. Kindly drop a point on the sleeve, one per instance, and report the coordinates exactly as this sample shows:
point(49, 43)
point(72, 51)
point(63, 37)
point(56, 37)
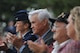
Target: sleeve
point(10, 51)
point(73, 47)
point(21, 49)
point(26, 49)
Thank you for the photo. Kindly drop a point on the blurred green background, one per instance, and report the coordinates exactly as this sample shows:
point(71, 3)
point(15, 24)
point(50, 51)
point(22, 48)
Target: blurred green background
point(9, 7)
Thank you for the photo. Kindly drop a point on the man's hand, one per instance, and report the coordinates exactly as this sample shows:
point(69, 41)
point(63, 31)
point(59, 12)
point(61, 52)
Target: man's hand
point(36, 47)
point(3, 46)
point(15, 40)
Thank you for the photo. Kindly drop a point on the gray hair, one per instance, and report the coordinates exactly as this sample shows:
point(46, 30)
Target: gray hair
point(42, 14)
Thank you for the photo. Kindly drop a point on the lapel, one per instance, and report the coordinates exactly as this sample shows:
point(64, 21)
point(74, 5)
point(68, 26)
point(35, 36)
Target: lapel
point(48, 38)
point(48, 35)
point(27, 35)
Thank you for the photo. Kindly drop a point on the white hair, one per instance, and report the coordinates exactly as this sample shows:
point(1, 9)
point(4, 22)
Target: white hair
point(42, 14)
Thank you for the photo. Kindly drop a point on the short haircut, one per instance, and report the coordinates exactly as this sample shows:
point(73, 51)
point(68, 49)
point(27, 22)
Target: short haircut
point(42, 14)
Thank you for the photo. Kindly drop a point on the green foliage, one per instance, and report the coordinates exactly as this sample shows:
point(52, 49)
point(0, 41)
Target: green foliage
point(9, 7)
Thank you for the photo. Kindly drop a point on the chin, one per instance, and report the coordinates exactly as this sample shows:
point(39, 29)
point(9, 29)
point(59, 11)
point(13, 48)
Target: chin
point(54, 38)
point(68, 34)
point(17, 31)
point(34, 32)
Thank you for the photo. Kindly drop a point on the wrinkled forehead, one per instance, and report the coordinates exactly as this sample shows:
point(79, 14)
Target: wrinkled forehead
point(59, 23)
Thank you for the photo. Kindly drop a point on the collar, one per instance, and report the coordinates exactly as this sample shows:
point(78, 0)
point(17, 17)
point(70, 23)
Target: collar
point(45, 33)
point(25, 33)
point(56, 44)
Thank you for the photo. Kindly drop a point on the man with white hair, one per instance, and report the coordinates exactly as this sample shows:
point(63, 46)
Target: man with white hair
point(40, 26)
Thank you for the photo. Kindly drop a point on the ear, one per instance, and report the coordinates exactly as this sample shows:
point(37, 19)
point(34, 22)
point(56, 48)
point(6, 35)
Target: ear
point(26, 25)
point(45, 21)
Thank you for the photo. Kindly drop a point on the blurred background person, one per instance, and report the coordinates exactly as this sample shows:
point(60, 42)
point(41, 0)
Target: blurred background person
point(10, 27)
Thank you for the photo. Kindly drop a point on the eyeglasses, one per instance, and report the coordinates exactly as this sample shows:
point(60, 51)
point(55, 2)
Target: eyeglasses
point(54, 26)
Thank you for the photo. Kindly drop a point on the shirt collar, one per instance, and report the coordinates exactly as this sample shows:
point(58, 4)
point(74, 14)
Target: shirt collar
point(45, 33)
point(25, 33)
point(56, 44)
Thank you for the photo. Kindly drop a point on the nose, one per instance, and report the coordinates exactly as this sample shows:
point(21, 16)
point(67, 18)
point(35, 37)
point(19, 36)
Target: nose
point(31, 26)
point(67, 26)
point(53, 29)
point(15, 25)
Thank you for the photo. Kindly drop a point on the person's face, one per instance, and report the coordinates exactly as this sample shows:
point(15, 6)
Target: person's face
point(20, 26)
point(70, 28)
point(59, 30)
point(36, 25)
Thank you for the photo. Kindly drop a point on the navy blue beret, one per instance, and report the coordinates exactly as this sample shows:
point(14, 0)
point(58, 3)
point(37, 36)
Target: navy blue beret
point(21, 15)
